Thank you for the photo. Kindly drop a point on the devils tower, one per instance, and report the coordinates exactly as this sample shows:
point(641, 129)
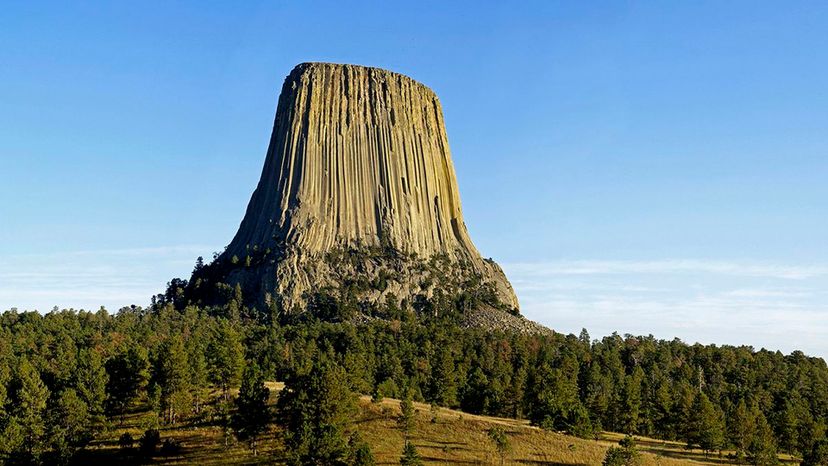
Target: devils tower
point(357, 199)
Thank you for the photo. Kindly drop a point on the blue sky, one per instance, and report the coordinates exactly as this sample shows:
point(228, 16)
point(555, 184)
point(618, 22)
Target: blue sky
point(645, 167)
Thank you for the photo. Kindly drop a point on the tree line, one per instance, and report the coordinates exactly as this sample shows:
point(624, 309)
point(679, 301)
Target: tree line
point(66, 375)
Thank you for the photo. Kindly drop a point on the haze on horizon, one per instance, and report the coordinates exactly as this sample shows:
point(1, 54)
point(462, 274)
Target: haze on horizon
point(635, 167)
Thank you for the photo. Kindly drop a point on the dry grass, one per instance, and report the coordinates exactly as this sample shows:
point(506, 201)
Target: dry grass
point(455, 438)
point(461, 438)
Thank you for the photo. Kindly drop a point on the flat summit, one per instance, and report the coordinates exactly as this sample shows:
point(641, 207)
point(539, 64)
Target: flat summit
point(358, 198)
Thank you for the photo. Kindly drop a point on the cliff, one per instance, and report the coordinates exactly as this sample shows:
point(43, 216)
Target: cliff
point(358, 186)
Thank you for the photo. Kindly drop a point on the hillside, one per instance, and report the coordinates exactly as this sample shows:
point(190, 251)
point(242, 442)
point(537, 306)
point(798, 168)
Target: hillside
point(455, 438)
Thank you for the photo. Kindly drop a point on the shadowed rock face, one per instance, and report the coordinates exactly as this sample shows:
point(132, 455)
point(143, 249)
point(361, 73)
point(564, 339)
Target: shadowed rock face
point(358, 161)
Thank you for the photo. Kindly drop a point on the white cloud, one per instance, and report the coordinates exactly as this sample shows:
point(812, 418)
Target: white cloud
point(775, 306)
point(89, 279)
point(593, 267)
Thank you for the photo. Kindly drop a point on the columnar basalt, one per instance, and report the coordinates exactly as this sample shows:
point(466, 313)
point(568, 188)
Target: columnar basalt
point(358, 186)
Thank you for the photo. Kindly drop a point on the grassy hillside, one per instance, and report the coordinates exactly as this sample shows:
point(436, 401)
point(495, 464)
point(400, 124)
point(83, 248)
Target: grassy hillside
point(450, 437)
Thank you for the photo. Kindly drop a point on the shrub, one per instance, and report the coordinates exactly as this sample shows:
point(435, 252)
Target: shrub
point(170, 447)
point(149, 441)
point(125, 441)
point(624, 455)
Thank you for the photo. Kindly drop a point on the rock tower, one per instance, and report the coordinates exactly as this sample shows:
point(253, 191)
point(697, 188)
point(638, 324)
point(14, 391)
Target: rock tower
point(358, 196)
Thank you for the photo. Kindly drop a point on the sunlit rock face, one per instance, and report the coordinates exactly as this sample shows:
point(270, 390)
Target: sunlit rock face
point(358, 186)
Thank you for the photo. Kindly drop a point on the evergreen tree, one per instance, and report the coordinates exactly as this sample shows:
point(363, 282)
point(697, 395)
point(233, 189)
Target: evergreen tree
point(598, 394)
point(475, 394)
point(197, 362)
point(29, 413)
point(501, 442)
point(7, 437)
point(410, 457)
point(252, 414)
point(631, 401)
point(626, 454)
point(762, 449)
point(406, 419)
point(811, 432)
point(91, 380)
point(516, 393)
point(172, 374)
point(787, 425)
point(741, 426)
point(681, 421)
point(444, 384)
point(359, 452)
point(68, 429)
point(579, 423)
point(553, 397)
point(316, 409)
point(818, 455)
point(706, 424)
point(127, 376)
point(226, 357)
point(584, 338)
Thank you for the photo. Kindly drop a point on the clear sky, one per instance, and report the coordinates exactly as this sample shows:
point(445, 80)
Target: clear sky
point(645, 167)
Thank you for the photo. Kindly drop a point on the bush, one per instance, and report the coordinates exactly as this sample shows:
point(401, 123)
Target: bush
point(125, 441)
point(149, 441)
point(624, 455)
point(170, 447)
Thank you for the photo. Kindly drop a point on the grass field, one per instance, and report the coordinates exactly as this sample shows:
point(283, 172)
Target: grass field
point(451, 437)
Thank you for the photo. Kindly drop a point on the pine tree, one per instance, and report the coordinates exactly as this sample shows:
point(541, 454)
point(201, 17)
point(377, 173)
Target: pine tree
point(172, 373)
point(406, 419)
point(410, 457)
point(5, 376)
point(315, 410)
point(91, 380)
point(516, 393)
point(501, 442)
point(252, 413)
point(626, 454)
point(553, 394)
point(818, 455)
point(787, 422)
point(681, 412)
point(762, 449)
point(706, 424)
point(7, 438)
point(226, 357)
point(579, 423)
point(444, 383)
point(359, 452)
point(631, 401)
point(197, 362)
point(476, 392)
point(68, 428)
point(741, 426)
point(127, 376)
point(584, 338)
point(29, 412)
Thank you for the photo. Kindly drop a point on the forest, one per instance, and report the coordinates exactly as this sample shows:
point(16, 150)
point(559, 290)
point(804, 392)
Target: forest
point(67, 375)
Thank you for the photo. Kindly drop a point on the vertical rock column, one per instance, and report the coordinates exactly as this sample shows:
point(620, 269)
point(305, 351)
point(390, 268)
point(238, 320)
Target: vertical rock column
point(358, 157)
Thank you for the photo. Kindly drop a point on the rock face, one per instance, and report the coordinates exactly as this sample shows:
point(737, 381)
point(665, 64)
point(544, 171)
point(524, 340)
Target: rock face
point(358, 187)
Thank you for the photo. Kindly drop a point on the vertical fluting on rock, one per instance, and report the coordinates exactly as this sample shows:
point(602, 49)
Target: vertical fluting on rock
point(358, 157)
